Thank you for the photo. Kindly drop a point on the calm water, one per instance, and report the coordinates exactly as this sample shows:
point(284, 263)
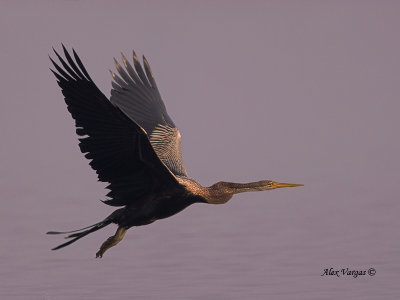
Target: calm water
point(277, 246)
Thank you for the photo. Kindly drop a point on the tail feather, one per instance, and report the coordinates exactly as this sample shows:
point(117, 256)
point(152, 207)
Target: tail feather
point(78, 235)
point(65, 232)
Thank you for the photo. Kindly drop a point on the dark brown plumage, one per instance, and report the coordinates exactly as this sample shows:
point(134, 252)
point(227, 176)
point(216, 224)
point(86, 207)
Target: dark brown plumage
point(134, 145)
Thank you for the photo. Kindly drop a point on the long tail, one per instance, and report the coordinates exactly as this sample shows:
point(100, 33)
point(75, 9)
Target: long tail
point(78, 234)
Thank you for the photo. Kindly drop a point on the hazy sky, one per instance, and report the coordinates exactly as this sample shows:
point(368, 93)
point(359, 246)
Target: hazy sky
point(294, 91)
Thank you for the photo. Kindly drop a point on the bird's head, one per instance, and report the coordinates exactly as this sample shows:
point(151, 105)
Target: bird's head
point(221, 192)
point(263, 185)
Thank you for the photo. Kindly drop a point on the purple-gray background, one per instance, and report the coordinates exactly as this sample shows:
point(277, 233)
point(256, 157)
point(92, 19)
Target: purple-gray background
point(296, 91)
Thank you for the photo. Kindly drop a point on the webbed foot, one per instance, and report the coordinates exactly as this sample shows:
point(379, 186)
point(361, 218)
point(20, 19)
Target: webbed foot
point(111, 241)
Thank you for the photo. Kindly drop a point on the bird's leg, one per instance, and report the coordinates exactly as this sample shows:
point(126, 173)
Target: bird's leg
point(111, 241)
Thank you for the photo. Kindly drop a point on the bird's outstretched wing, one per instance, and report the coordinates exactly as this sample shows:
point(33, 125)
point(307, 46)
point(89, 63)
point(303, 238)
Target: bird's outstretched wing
point(135, 92)
point(119, 149)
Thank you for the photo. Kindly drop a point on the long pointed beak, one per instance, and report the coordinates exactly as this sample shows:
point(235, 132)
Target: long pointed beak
point(277, 185)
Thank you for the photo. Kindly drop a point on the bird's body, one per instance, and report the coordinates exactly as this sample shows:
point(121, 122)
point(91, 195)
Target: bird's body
point(134, 146)
point(156, 206)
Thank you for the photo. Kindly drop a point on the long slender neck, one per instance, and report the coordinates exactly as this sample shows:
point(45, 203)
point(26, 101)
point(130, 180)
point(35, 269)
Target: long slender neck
point(222, 192)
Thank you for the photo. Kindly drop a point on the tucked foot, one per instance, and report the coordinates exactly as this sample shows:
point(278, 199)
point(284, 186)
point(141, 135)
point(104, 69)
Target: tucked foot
point(111, 241)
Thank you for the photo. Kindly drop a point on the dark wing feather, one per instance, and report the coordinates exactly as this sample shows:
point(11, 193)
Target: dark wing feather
point(135, 92)
point(119, 149)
